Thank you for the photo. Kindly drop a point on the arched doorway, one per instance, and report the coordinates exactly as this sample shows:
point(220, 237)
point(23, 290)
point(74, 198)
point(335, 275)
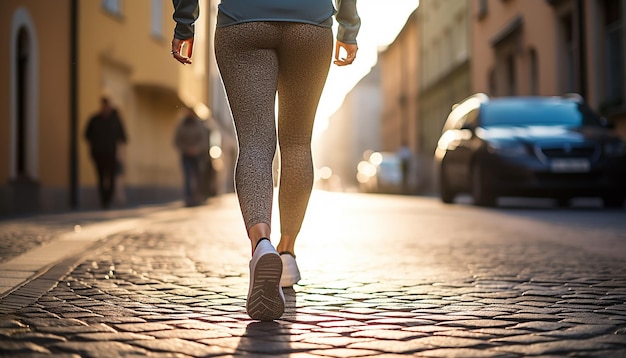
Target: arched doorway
point(24, 138)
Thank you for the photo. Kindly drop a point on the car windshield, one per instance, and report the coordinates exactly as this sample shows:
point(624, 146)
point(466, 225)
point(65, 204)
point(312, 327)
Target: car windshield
point(537, 113)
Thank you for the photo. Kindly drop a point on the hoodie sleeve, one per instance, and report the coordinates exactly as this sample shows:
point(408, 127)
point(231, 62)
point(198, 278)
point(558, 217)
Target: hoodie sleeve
point(185, 14)
point(349, 21)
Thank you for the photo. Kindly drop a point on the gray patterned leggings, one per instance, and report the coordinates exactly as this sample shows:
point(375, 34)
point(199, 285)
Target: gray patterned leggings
point(256, 60)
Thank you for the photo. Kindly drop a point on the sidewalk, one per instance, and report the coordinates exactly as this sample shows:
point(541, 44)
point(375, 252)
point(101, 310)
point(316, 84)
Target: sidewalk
point(172, 282)
point(30, 244)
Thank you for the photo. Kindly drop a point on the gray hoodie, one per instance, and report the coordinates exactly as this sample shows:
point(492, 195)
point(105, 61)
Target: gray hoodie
point(317, 12)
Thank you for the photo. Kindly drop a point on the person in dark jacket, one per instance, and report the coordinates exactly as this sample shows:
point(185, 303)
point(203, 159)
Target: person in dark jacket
point(105, 131)
point(264, 48)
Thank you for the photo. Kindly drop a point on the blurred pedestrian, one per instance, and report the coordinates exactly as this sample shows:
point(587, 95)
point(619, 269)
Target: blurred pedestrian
point(405, 155)
point(105, 132)
point(192, 141)
point(263, 47)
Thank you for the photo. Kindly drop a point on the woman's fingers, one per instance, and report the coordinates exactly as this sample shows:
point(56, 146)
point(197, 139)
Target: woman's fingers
point(177, 49)
point(350, 49)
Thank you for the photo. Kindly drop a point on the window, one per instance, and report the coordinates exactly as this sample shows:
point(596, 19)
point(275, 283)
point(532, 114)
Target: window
point(511, 78)
point(112, 6)
point(614, 40)
point(492, 83)
point(533, 70)
point(482, 9)
point(156, 22)
point(569, 54)
point(23, 61)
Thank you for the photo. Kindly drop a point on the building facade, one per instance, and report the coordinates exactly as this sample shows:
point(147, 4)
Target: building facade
point(353, 130)
point(401, 131)
point(62, 57)
point(444, 75)
point(552, 47)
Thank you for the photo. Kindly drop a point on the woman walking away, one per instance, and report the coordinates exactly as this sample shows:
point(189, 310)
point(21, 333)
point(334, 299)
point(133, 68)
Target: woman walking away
point(263, 47)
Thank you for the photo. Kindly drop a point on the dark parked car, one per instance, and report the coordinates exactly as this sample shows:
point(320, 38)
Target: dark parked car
point(553, 147)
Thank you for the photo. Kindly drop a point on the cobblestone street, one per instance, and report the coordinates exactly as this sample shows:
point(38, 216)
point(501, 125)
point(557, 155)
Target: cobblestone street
point(383, 276)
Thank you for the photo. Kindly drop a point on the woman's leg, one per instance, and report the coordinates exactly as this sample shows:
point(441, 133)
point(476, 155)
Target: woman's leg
point(248, 64)
point(304, 58)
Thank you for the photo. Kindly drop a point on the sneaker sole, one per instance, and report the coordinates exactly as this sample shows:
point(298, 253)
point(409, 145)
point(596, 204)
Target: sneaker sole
point(265, 302)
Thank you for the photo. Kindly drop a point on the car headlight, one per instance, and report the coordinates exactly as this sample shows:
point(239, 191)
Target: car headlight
point(615, 149)
point(509, 149)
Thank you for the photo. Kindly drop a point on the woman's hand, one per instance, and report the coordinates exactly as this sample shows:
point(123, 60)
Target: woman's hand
point(177, 48)
point(350, 49)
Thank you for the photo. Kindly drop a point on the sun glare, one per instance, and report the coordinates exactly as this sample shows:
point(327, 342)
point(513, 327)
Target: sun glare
point(379, 27)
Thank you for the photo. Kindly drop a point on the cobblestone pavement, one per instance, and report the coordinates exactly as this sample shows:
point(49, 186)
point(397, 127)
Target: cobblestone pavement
point(22, 234)
point(382, 277)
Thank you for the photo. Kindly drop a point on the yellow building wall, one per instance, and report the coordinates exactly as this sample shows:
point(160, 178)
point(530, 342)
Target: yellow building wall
point(120, 57)
point(51, 24)
point(6, 13)
point(54, 103)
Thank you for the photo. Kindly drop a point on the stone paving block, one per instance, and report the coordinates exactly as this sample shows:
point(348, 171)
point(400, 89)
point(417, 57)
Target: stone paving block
point(462, 333)
point(263, 346)
point(619, 353)
point(11, 321)
point(581, 331)
point(38, 338)
point(338, 330)
point(113, 320)
point(556, 347)
point(188, 334)
point(71, 330)
point(344, 353)
point(398, 335)
point(303, 336)
point(20, 347)
point(478, 314)
point(465, 353)
point(338, 342)
point(450, 342)
point(405, 322)
point(588, 318)
point(111, 336)
point(528, 317)
point(54, 322)
point(501, 331)
point(142, 327)
point(429, 329)
point(380, 327)
point(444, 317)
point(296, 325)
point(619, 339)
point(540, 310)
point(79, 315)
point(387, 346)
point(97, 349)
point(542, 326)
point(477, 323)
point(523, 339)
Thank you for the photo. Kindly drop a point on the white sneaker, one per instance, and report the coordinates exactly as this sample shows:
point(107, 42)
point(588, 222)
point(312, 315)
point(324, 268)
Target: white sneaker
point(291, 274)
point(266, 301)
